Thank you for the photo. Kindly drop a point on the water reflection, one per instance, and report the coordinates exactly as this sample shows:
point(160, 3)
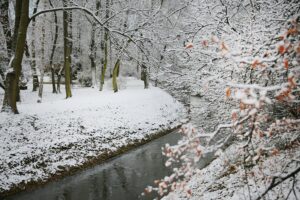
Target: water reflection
point(124, 177)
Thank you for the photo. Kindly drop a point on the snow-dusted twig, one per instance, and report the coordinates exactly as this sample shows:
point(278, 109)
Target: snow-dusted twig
point(255, 86)
point(276, 180)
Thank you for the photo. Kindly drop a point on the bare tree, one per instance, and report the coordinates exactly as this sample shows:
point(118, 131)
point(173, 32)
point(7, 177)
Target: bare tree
point(67, 52)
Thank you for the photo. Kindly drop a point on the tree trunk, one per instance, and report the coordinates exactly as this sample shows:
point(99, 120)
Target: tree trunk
point(4, 20)
point(58, 82)
point(70, 40)
point(59, 78)
point(53, 50)
point(93, 47)
point(35, 79)
point(14, 40)
point(115, 75)
point(104, 48)
point(42, 68)
point(67, 52)
point(40, 94)
point(17, 24)
point(92, 58)
point(8, 96)
point(93, 50)
point(12, 78)
point(145, 76)
point(160, 64)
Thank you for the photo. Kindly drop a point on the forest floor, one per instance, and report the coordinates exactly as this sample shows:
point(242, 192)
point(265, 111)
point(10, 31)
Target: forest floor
point(49, 138)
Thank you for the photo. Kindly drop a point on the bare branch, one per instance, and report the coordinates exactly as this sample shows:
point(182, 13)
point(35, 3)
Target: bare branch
point(278, 180)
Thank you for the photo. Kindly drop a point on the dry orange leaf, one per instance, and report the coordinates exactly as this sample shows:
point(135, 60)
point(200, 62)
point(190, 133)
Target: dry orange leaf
point(189, 45)
point(281, 37)
point(234, 116)
point(298, 49)
point(205, 43)
point(275, 152)
point(242, 106)
point(255, 64)
point(292, 31)
point(283, 95)
point(292, 81)
point(286, 64)
point(281, 49)
point(224, 46)
point(228, 92)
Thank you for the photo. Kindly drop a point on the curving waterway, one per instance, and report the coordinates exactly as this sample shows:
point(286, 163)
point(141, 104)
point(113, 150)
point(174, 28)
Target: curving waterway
point(121, 178)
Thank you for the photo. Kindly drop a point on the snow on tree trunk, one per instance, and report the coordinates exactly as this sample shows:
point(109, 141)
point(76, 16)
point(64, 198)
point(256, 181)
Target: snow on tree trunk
point(42, 68)
point(53, 51)
point(35, 79)
point(4, 20)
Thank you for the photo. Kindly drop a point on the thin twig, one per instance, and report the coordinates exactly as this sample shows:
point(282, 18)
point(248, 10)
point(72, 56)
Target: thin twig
point(278, 180)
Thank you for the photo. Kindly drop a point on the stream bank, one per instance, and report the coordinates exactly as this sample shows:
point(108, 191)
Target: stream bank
point(121, 177)
point(60, 136)
point(69, 171)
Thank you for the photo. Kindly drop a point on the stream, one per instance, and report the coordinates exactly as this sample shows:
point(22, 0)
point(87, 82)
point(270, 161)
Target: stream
point(123, 177)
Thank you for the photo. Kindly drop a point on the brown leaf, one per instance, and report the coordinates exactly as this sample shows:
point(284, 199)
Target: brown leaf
point(281, 37)
point(205, 43)
point(292, 81)
point(292, 31)
point(234, 116)
point(242, 106)
point(286, 64)
point(228, 92)
point(255, 64)
point(281, 49)
point(189, 46)
point(224, 46)
point(275, 152)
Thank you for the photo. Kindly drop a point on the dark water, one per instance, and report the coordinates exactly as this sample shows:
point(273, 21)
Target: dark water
point(121, 178)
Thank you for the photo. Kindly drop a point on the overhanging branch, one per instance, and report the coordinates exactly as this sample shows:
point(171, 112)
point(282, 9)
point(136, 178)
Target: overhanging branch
point(89, 12)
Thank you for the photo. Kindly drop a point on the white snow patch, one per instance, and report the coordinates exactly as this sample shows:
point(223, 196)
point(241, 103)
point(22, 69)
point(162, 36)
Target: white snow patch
point(58, 133)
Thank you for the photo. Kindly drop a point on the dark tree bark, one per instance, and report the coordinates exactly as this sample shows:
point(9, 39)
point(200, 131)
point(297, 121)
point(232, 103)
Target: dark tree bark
point(12, 77)
point(14, 39)
point(4, 20)
point(53, 50)
point(145, 76)
point(17, 23)
point(59, 68)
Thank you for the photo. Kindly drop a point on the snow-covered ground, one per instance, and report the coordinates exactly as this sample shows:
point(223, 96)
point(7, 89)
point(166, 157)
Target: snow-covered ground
point(59, 133)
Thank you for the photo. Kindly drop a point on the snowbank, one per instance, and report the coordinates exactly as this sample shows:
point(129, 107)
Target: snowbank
point(51, 137)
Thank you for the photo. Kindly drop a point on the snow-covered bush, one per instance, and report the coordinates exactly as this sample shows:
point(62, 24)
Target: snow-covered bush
point(85, 79)
point(265, 122)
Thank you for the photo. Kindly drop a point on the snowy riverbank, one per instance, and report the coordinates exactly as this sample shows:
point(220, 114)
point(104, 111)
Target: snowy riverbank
point(49, 138)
